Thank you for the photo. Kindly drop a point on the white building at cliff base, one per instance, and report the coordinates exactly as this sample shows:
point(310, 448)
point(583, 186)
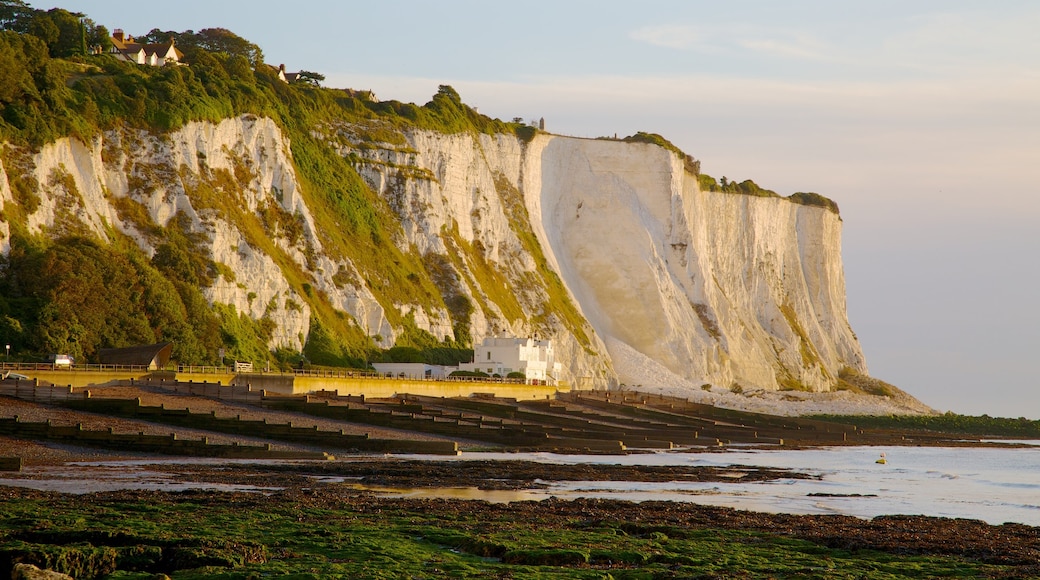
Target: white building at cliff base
point(501, 356)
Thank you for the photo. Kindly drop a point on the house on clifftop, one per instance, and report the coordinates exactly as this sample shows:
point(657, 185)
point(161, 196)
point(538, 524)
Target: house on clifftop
point(289, 77)
point(160, 54)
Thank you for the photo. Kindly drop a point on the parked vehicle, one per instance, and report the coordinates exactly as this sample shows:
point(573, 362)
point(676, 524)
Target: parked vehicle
point(61, 360)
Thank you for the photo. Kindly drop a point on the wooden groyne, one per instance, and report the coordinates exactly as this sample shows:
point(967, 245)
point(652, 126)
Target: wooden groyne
point(132, 408)
point(166, 444)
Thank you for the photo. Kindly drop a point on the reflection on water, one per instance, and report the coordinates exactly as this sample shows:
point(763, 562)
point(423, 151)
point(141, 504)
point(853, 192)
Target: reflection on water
point(470, 493)
point(990, 484)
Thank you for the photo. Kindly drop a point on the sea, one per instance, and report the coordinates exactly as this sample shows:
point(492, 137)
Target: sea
point(993, 484)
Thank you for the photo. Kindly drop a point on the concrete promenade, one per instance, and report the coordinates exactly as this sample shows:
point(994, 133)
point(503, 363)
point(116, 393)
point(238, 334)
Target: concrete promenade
point(342, 383)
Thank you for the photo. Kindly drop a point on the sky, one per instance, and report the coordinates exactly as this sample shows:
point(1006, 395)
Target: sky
point(920, 118)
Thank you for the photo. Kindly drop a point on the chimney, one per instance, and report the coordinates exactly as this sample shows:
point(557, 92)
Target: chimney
point(281, 67)
point(118, 34)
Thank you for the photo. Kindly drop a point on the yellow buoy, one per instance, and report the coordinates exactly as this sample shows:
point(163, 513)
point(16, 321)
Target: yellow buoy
point(882, 459)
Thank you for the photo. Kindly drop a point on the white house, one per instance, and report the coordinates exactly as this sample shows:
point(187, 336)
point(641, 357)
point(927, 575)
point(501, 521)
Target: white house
point(286, 77)
point(501, 356)
point(160, 54)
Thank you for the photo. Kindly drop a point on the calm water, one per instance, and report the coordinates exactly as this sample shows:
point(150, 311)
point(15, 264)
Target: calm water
point(993, 485)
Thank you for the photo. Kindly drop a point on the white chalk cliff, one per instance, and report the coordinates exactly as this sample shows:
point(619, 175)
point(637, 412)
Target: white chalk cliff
point(718, 288)
point(715, 288)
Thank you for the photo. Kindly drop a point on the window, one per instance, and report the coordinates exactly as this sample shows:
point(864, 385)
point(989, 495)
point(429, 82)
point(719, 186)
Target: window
point(489, 355)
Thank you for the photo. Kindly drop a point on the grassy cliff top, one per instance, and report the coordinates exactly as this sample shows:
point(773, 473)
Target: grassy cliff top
point(746, 187)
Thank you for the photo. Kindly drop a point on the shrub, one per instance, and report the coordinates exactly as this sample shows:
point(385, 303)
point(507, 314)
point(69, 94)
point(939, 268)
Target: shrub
point(815, 199)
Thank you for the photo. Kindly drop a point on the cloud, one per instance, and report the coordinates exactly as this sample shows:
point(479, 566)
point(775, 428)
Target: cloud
point(942, 43)
point(734, 39)
point(800, 49)
point(679, 37)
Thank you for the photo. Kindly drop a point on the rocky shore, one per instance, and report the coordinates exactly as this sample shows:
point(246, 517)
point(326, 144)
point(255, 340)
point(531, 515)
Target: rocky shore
point(561, 538)
point(658, 538)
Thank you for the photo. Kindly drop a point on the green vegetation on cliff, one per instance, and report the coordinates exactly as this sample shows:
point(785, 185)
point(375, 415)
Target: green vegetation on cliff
point(748, 187)
point(709, 183)
point(52, 87)
point(810, 198)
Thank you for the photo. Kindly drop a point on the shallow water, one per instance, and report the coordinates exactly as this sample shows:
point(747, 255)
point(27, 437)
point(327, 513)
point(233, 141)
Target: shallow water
point(993, 485)
point(990, 484)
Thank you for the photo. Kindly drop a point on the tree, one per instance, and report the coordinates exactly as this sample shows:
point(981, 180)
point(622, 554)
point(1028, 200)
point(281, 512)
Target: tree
point(15, 79)
point(71, 38)
point(404, 354)
point(312, 78)
point(450, 92)
point(223, 40)
point(97, 35)
point(43, 27)
point(15, 15)
point(184, 40)
point(237, 67)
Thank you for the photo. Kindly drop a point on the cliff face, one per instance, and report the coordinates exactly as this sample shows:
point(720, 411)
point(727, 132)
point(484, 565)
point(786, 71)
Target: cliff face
point(717, 288)
point(134, 180)
point(608, 248)
point(466, 196)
